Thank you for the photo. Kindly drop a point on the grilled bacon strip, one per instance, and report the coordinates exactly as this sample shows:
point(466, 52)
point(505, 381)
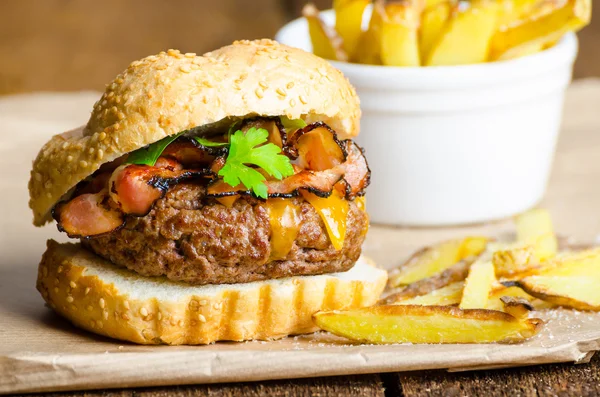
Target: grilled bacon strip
point(89, 214)
point(131, 190)
point(321, 162)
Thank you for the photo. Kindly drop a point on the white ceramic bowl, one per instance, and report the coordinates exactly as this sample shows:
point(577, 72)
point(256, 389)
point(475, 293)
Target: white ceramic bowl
point(457, 144)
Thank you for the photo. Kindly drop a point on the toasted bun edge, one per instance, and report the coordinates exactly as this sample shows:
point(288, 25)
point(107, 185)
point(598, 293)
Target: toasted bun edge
point(97, 296)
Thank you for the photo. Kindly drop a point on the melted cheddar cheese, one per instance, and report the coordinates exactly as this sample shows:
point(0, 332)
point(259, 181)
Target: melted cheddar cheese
point(333, 210)
point(284, 217)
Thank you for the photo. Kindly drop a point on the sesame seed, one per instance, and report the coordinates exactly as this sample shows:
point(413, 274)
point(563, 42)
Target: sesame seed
point(124, 316)
point(83, 164)
point(185, 68)
point(60, 269)
point(201, 318)
point(218, 305)
point(105, 314)
point(190, 54)
point(72, 284)
point(87, 290)
point(101, 303)
point(144, 311)
point(121, 115)
point(99, 324)
point(263, 84)
point(91, 150)
point(69, 159)
point(292, 102)
point(126, 305)
point(56, 290)
point(290, 85)
point(102, 136)
point(70, 299)
point(121, 347)
point(302, 99)
point(90, 308)
point(203, 302)
point(49, 195)
point(100, 154)
point(281, 91)
point(38, 176)
point(259, 93)
point(65, 145)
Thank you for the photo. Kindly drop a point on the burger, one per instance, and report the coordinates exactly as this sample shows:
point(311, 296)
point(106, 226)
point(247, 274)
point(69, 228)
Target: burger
point(213, 197)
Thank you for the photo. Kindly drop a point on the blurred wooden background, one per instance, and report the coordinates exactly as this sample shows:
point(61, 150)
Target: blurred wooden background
point(81, 44)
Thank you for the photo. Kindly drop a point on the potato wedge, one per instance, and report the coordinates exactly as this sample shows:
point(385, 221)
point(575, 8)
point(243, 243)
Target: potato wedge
point(399, 33)
point(435, 259)
point(570, 279)
point(348, 22)
point(478, 285)
point(446, 296)
point(509, 289)
point(453, 274)
point(536, 243)
point(578, 292)
point(325, 40)
point(519, 308)
point(433, 22)
point(548, 23)
point(426, 324)
point(368, 50)
point(535, 227)
point(466, 37)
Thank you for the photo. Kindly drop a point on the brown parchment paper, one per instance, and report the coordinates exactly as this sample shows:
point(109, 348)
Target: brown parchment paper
point(41, 352)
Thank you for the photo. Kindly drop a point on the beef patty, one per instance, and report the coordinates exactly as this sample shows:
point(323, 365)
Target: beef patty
point(188, 238)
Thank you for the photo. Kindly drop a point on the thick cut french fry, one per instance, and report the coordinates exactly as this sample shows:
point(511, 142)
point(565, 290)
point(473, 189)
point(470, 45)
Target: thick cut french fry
point(536, 243)
point(535, 227)
point(453, 274)
point(348, 22)
point(433, 260)
point(578, 292)
point(478, 285)
point(513, 11)
point(570, 279)
point(466, 37)
point(426, 324)
point(325, 41)
point(368, 50)
point(546, 24)
point(519, 308)
point(495, 303)
point(514, 261)
point(433, 22)
point(446, 296)
point(399, 33)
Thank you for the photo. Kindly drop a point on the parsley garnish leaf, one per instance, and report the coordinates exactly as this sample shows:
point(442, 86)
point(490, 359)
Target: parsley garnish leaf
point(244, 150)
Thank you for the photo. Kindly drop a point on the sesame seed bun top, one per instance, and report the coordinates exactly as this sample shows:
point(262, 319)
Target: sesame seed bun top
point(167, 93)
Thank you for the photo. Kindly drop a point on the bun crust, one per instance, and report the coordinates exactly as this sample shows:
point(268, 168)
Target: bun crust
point(167, 93)
point(95, 295)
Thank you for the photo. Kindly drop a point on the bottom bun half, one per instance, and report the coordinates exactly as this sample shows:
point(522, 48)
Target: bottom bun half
point(97, 296)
